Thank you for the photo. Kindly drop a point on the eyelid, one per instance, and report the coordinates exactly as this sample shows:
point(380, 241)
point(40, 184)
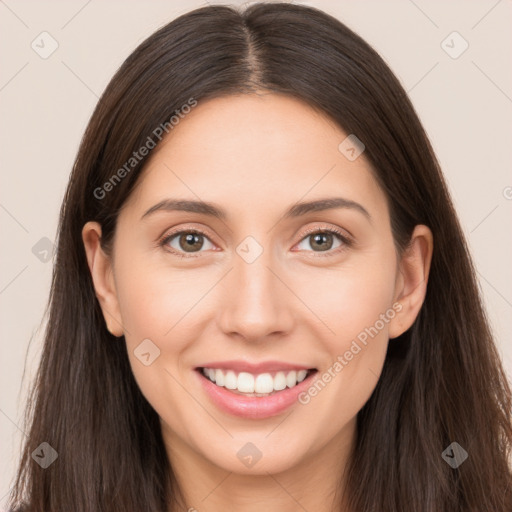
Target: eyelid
point(346, 239)
point(342, 233)
point(168, 235)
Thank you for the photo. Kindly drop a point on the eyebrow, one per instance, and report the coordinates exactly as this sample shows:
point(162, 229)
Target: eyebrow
point(296, 210)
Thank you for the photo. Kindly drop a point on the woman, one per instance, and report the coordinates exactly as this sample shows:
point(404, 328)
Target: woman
point(262, 297)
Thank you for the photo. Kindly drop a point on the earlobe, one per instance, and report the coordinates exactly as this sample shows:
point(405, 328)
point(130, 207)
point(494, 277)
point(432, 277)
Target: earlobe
point(412, 279)
point(102, 276)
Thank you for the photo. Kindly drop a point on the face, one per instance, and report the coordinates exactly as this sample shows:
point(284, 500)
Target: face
point(266, 293)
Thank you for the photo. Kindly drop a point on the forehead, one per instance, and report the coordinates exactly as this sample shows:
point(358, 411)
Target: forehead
point(254, 150)
point(263, 125)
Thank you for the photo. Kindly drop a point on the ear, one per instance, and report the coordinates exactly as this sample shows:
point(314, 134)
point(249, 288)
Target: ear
point(102, 275)
point(412, 278)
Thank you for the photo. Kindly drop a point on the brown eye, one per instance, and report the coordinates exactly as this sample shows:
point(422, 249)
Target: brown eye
point(187, 241)
point(323, 241)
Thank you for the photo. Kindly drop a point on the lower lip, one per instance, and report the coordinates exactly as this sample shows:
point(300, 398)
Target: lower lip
point(253, 407)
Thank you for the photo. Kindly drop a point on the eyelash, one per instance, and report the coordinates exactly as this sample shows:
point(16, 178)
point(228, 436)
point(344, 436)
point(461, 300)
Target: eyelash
point(346, 242)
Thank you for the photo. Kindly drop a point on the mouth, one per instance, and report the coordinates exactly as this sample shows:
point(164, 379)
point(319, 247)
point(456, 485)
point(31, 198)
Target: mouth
point(255, 385)
point(254, 391)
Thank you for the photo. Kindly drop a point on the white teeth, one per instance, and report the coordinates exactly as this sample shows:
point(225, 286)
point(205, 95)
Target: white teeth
point(264, 383)
point(261, 384)
point(301, 375)
point(219, 377)
point(245, 382)
point(279, 381)
point(231, 381)
point(291, 379)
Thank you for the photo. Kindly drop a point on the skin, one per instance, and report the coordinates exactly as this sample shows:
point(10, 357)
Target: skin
point(255, 156)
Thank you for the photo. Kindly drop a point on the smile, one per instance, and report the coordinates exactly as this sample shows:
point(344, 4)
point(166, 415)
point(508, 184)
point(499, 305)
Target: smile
point(254, 391)
point(262, 384)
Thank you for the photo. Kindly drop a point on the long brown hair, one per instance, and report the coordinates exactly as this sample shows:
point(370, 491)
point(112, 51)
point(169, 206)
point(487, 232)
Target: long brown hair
point(442, 380)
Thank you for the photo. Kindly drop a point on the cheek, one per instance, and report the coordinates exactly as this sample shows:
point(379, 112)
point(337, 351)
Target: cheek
point(155, 300)
point(351, 298)
point(355, 306)
point(166, 306)
point(157, 304)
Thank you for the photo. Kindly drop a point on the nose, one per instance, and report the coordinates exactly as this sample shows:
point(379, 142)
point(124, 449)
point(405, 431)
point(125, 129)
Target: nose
point(255, 303)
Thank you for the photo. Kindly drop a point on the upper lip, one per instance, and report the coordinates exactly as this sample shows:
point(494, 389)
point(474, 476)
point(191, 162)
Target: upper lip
point(254, 368)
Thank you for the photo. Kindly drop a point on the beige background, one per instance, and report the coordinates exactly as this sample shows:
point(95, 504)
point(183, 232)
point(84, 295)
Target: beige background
point(464, 103)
